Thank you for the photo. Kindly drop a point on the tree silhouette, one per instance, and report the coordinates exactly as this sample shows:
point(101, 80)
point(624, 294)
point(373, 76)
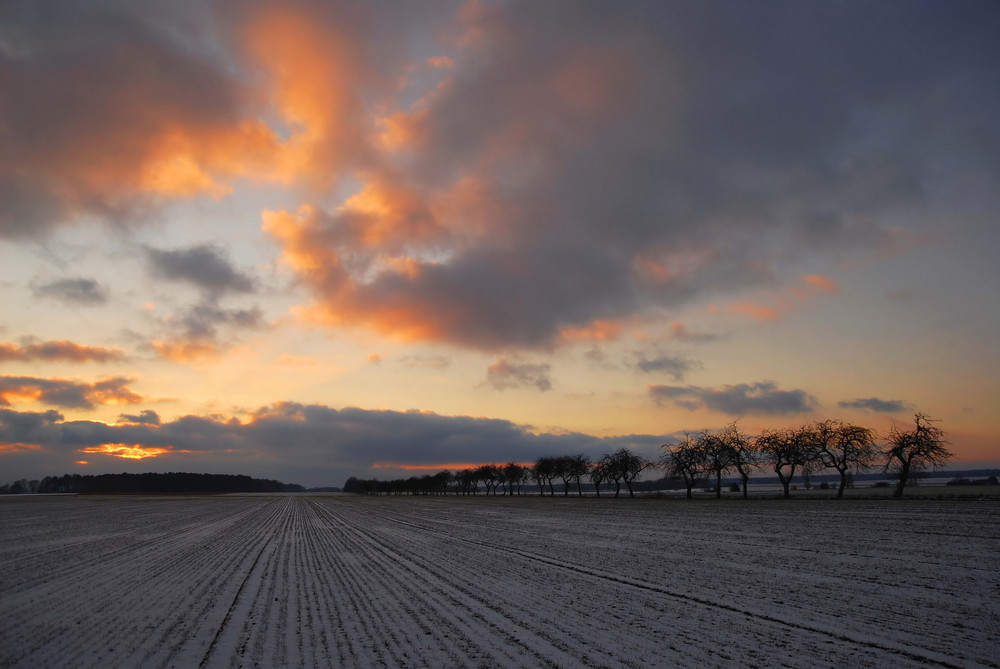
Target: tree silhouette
point(686, 460)
point(913, 450)
point(843, 446)
point(579, 466)
point(743, 454)
point(785, 450)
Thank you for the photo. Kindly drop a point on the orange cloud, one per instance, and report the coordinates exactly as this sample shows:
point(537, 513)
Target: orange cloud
point(19, 448)
point(185, 351)
point(129, 451)
point(820, 283)
point(598, 330)
point(317, 72)
point(68, 393)
point(755, 310)
point(63, 350)
point(791, 298)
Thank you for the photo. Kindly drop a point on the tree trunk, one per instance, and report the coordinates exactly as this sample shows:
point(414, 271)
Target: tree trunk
point(689, 486)
point(843, 484)
point(904, 473)
point(718, 484)
point(746, 480)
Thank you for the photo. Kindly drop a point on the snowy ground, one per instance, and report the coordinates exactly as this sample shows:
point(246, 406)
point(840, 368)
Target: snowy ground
point(336, 580)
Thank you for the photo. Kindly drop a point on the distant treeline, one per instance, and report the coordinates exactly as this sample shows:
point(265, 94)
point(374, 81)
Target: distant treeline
point(172, 482)
point(807, 450)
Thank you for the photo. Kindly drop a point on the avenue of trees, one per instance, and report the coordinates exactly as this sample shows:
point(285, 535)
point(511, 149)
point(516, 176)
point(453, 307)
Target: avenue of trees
point(699, 459)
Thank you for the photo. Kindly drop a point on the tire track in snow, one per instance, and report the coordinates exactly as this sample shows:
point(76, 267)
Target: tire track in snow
point(923, 656)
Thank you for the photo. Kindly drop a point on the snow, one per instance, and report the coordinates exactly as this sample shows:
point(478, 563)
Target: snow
point(338, 580)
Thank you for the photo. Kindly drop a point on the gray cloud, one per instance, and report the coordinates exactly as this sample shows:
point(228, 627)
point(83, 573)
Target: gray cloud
point(68, 393)
point(66, 351)
point(145, 417)
point(745, 398)
point(90, 90)
point(204, 266)
point(505, 374)
point(673, 366)
point(308, 444)
point(696, 157)
point(875, 404)
point(76, 291)
point(610, 161)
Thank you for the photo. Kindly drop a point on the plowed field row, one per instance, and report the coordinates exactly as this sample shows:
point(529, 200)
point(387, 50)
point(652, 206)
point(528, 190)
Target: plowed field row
point(355, 581)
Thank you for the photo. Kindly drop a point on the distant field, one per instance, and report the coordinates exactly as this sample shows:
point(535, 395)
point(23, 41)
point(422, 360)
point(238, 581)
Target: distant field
point(331, 580)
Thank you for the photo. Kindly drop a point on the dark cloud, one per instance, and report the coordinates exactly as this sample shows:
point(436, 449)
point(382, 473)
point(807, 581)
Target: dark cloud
point(203, 330)
point(204, 266)
point(78, 291)
point(504, 374)
point(680, 332)
point(308, 444)
point(626, 159)
point(68, 393)
point(673, 366)
point(65, 351)
point(745, 398)
point(875, 404)
point(566, 165)
point(206, 327)
point(146, 417)
point(107, 108)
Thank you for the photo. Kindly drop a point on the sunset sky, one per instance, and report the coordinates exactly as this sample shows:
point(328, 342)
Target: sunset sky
point(310, 240)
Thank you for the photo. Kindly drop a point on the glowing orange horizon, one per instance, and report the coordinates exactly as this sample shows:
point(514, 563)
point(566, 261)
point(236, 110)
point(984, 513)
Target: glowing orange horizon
point(450, 466)
point(128, 451)
point(19, 447)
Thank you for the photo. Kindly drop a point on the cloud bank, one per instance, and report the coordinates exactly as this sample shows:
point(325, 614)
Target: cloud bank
point(309, 444)
point(764, 397)
point(513, 173)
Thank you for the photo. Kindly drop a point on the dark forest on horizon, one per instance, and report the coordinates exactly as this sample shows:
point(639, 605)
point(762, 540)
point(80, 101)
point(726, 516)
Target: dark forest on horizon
point(148, 483)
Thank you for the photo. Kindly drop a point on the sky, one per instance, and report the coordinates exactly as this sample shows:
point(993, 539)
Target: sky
point(313, 240)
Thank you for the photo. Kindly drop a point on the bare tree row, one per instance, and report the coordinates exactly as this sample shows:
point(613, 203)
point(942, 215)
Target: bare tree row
point(820, 446)
point(824, 445)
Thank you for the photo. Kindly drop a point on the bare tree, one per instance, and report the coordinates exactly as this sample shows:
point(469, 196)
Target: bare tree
point(914, 450)
point(626, 465)
point(564, 470)
point(515, 475)
point(468, 480)
point(545, 471)
point(599, 474)
point(785, 450)
point(686, 460)
point(612, 471)
point(843, 446)
point(538, 472)
point(579, 467)
point(491, 476)
point(743, 454)
point(718, 456)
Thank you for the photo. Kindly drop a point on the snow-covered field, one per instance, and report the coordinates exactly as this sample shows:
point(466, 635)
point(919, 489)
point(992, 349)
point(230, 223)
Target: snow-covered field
point(334, 580)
